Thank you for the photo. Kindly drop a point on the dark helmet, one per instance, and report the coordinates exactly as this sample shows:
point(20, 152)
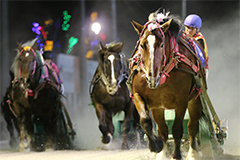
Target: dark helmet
point(193, 20)
point(47, 55)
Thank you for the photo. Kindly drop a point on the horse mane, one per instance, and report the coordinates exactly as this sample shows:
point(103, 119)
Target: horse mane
point(176, 25)
point(14, 66)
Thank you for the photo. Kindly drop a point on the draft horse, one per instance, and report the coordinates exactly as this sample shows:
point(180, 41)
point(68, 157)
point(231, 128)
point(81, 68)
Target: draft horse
point(36, 102)
point(109, 93)
point(162, 70)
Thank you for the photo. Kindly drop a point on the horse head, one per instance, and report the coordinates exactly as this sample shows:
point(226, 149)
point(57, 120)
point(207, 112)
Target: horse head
point(111, 66)
point(26, 62)
point(153, 47)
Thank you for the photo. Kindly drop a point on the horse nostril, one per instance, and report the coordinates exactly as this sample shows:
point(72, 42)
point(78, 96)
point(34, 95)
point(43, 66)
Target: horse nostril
point(146, 78)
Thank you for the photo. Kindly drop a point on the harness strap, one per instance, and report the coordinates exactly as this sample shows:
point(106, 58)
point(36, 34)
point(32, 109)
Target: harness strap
point(104, 79)
point(183, 58)
point(10, 107)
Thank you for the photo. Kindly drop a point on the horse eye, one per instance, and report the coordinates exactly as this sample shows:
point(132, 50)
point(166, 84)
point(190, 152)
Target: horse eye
point(117, 59)
point(143, 46)
point(161, 45)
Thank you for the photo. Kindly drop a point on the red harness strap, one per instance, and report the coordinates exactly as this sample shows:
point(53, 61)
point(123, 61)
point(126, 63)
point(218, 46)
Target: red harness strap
point(199, 90)
point(174, 62)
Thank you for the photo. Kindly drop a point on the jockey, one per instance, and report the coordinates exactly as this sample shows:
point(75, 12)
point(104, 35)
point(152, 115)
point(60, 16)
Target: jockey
point(48, 59)
point(193, 24)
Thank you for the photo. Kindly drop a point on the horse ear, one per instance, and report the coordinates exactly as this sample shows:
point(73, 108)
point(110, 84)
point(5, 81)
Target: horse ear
point(19, 46)
point(100, 53)
point(101, 45)
point(35, 46)
point(166, 25)
point(118, 47)
point(121, 45)
point(138, 27)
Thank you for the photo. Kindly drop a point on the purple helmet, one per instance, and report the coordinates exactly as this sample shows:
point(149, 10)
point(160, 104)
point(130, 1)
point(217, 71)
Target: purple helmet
point(193, 20)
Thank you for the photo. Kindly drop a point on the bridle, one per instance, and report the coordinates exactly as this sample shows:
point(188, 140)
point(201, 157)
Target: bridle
point(151, 26)
point(21, 81)
point(27, 48)
point(111, 88)
point(120, 78)
point(175, 57)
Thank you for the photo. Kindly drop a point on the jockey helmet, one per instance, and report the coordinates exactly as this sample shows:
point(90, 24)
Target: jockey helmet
point(193, 20)
point(47, 55)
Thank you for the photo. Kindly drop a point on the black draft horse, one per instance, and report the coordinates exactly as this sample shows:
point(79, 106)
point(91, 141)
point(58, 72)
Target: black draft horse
point(37, 102)
point(109, 93)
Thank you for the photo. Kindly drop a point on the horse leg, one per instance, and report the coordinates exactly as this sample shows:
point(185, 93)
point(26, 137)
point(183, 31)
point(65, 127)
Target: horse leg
point(195, 112)
point(137, 127)
point(110, 126)
point(127, 126)
point(101, 114)
point(8, 119)
point(159, 118)
point(24, 145)
point(177, 130)
point(39, 133)
point(24, 139)
point(155, 142)
point(62, 140)
point(15, 121)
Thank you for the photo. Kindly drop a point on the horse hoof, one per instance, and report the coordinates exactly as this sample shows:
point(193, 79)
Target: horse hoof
point(40, 148)
point(63, 146)
point(192, 154)
point(174, 157)
point(155, 145)
point(39, 143)
point(125, 146)
point(107, 139)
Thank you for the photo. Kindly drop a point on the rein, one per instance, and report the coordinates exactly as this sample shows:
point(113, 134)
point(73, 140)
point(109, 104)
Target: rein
point(27, 48)
point(150, 25)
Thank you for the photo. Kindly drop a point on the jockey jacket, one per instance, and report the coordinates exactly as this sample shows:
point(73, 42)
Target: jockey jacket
point(199, 37)
point(53, 67)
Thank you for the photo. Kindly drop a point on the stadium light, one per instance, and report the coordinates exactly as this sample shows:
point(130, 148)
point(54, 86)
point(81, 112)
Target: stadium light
point(96, 27)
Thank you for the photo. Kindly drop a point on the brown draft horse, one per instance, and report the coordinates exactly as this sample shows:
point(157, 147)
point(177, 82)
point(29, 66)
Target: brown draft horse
point(36, 102)
point(109, 93)
point(162, 68)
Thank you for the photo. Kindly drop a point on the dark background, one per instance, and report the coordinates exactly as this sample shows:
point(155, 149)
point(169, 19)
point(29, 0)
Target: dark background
point(23, 13)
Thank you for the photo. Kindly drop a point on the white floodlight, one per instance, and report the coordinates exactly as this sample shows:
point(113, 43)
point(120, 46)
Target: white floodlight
point(96, 28)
